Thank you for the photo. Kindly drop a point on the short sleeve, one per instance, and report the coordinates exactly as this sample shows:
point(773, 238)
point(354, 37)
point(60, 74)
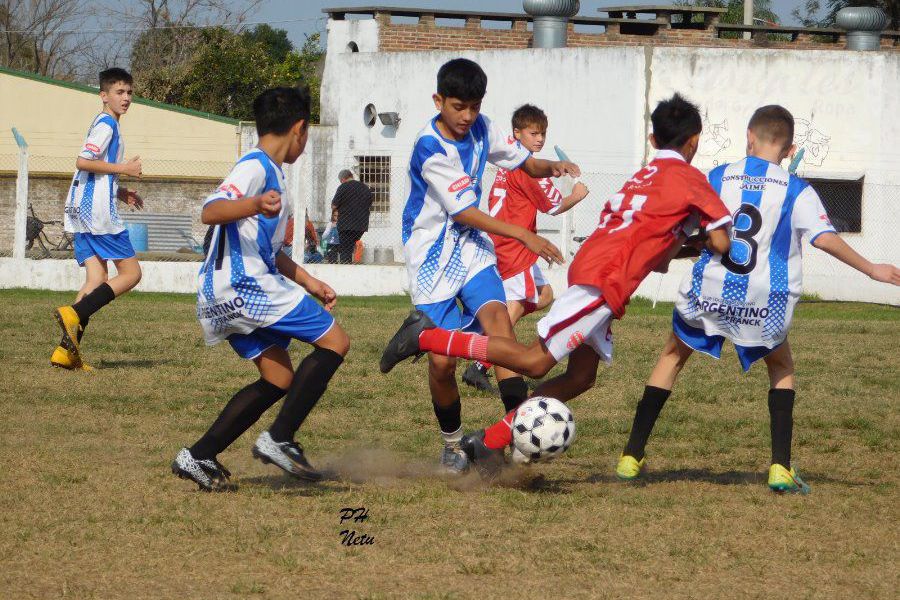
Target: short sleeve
point(447, 183)
point(97, 141)
point(541, 192)
point(809, 217)
point(247, 178)
point(705, 201)
point(504, 150)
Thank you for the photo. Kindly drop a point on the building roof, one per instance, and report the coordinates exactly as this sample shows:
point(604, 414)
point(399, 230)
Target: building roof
point(80, 87)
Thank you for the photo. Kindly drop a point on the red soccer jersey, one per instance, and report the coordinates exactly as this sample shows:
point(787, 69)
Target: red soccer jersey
point(640, 225)
point(516, 198)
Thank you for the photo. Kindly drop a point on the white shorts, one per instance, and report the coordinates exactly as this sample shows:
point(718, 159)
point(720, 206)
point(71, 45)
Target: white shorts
point(524, 286)
point(579, 316)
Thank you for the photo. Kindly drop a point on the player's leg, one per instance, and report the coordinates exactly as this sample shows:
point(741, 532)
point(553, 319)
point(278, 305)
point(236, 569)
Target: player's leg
point(308, 385)
point(495, 321)
point(671, 361)
point(780, 364)
point(128, 275)
point(64, 357)
point(445, 402)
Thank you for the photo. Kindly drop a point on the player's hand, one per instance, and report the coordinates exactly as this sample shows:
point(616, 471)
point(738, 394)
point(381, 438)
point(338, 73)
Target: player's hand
point(885, 273)
point(580, 191)
point(544, 248)
point(564, 167)
point(132, 167)
point(131, 198)
point(323, 292)
point(268, 204)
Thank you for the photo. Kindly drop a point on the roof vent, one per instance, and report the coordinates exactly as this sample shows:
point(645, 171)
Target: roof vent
point(551, 20)
point(864, 25)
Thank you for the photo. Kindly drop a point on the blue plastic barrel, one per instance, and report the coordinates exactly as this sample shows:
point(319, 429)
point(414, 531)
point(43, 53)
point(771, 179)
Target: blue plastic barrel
point(139, 234)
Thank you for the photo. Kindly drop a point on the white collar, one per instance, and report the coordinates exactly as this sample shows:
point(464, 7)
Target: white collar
point(662, 154)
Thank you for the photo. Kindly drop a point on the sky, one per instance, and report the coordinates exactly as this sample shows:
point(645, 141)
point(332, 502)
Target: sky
point(310, 11)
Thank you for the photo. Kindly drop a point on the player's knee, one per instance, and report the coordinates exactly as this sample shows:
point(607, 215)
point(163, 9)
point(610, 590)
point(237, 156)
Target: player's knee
point(442, 368)
point(537, 365)
point(335, 340)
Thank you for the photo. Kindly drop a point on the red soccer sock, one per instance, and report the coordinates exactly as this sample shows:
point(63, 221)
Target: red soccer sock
point(454, 343)
point(499, 435)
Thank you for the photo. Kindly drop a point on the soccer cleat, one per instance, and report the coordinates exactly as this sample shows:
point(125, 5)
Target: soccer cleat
point(781, 480)
point(629, 467)
point(488, 461)
point(477, 376)
point(202, 472)
point(64, 359)
point(453, 460)
point(288, 456)
point(70, 324)
point(405, 342)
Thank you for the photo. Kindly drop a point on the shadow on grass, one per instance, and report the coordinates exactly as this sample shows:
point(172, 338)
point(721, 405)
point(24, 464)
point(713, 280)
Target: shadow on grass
point(298, 487)
point(133, 364)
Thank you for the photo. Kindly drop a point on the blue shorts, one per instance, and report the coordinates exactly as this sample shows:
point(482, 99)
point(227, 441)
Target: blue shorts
point(109, 246)
point(712, 344)
point(482, 289)
point(307, 322)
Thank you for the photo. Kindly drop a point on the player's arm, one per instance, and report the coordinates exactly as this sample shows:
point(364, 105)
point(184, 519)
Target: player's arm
point(223, 210)
point(579, 193)
point(316, 287)
point(131, 167)
point(479, 220)
point(835, 246)
point(539, 167)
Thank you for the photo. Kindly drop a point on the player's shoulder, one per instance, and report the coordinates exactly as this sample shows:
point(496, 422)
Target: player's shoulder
point(427, 144)
point(103, 120)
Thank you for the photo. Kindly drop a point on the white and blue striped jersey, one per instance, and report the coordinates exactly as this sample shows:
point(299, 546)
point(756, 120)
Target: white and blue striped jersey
point(91, 202)
point(748, 295)
point(445, 179)
point(239, 286)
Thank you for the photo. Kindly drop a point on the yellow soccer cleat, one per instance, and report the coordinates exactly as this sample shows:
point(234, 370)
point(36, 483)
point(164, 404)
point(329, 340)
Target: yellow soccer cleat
point(64, 359)
point(629, 467)
point(781, 480)
point(70, 324)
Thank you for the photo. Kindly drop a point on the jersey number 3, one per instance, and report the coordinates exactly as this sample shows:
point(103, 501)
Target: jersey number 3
point(741, 259)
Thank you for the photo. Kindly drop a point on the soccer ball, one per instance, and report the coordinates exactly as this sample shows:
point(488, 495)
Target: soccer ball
point(543, 428)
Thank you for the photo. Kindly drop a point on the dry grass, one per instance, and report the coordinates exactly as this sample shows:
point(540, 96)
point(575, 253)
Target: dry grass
point(89, 509)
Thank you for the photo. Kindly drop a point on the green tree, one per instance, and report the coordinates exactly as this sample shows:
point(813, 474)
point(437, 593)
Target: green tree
point(275, 41)
point(809, 14)
point(762, 9)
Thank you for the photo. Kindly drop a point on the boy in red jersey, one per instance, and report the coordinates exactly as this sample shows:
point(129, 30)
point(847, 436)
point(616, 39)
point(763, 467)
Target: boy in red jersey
point(641, 228)
point(516, 198)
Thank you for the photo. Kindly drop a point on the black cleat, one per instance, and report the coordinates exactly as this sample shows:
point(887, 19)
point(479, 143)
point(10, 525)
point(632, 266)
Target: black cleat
point(288, 456)
point(405, 342)
point(477, 376)
point(205, 473)
point(487, 461)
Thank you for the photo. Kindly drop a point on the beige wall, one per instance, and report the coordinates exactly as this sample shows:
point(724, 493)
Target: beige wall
point(54, 118)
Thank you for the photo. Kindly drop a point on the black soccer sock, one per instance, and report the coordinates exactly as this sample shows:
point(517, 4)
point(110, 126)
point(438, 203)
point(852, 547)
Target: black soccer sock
point(645, 416)
point(243, 410)
point(781, 425)
point(449, 417)
point(513, 392)
point(94, 301)
point(310, 382)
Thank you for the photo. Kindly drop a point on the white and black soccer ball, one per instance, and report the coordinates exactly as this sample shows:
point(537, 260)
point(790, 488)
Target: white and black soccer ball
point(543, 428)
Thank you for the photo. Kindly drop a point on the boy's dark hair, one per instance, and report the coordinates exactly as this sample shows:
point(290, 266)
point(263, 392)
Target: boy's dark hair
point(675, 121)
point(773, 124)
point(462, 79)
point(278, 109)
point(110, 77)
point(529, 114)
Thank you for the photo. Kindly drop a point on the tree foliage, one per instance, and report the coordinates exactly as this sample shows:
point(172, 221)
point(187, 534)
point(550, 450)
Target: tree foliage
point(734, 14)
point(221, 72)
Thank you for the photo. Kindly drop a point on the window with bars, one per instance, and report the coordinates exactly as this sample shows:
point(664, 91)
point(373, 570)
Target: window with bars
point(842, 199)
point(375, 172)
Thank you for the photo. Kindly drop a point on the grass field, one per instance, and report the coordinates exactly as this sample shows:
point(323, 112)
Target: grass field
point(89, 509)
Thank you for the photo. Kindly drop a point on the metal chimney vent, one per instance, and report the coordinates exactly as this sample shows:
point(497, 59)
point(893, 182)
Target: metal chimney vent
point(864, 25)
point(551, 20)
